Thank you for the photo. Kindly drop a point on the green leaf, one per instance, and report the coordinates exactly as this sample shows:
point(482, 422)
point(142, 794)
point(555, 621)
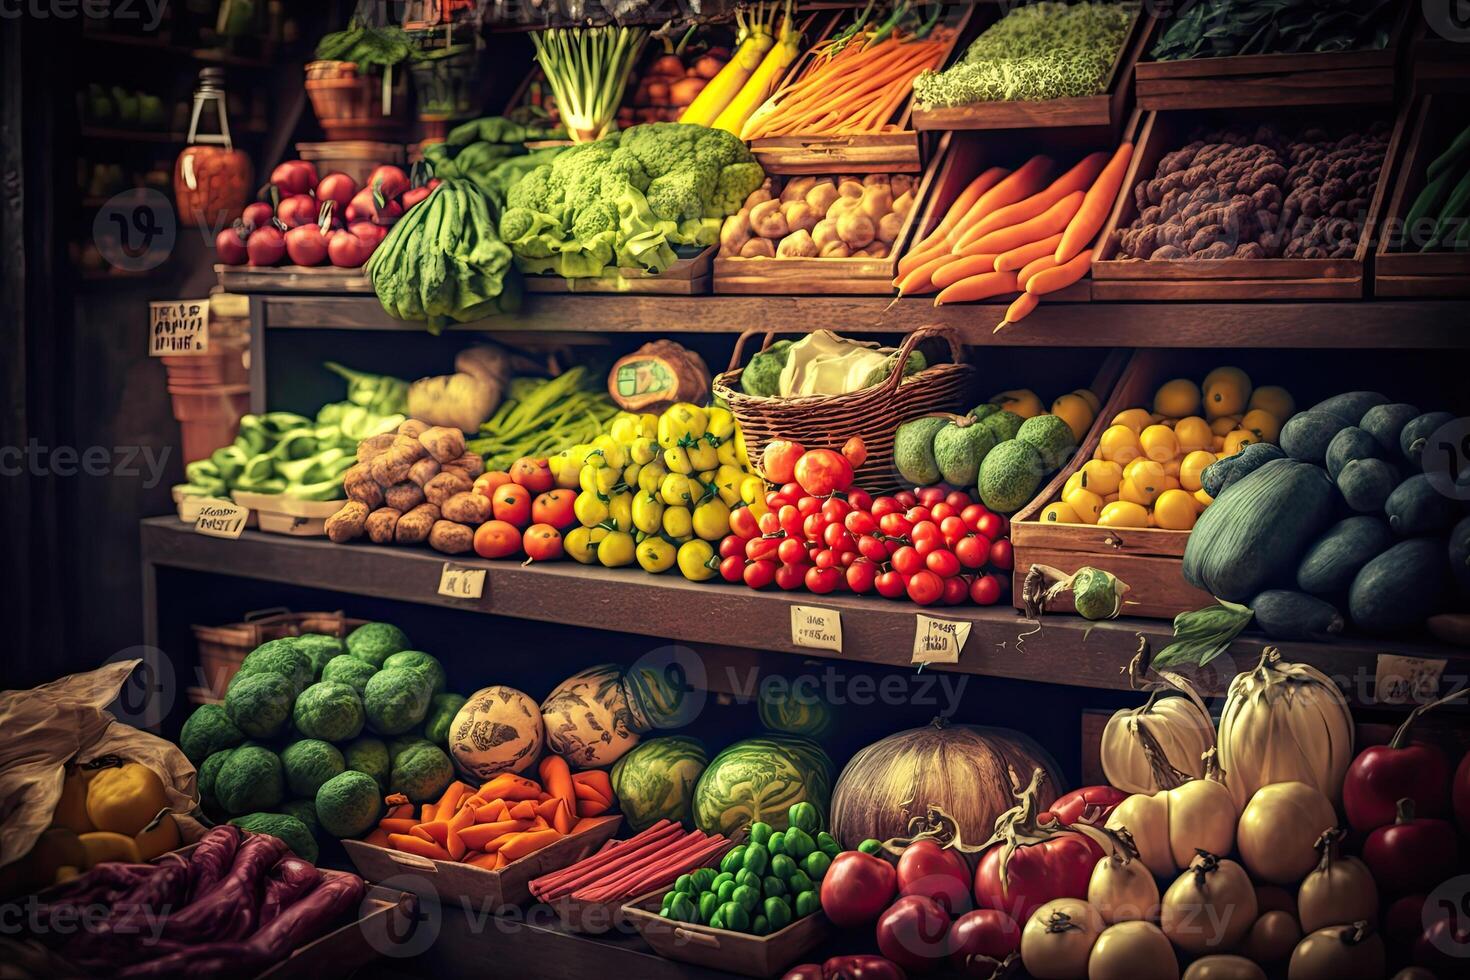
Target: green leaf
point(1202, 635)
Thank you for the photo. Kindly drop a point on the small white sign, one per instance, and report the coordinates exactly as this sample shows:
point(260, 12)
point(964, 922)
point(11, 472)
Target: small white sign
point(815, 627)
point(178, 328)
point(461, 582)
point(939, 641)
point(1406, 680)
point(221, 519)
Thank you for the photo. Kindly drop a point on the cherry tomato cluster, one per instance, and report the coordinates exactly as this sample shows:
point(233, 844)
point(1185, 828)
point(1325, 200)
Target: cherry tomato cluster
point(528, 513)
point(934, 545)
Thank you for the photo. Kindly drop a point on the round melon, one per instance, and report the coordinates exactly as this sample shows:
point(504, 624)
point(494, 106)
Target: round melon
point(794, 712)
point(758, 779)
point(498, 730)
point(655, 781)
point(659, 692)
point(589, 721)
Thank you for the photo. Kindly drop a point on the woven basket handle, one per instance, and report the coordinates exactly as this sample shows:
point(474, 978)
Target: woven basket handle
point(913, 340)
point(740, 346)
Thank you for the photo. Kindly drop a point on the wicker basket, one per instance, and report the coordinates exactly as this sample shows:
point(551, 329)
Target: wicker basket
point(874, 413)
point(349, 105)
point(221, 648)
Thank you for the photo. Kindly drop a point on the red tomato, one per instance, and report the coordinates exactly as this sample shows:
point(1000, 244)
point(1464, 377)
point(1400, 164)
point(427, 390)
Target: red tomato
point(907, 561)
point(925, 588)
point(533, 473)
point(861, 575)
point(940, 511)
point(889, 584)
point(953, 528)
point(836, 536)
point(971, 515)
point(791, 550)
point(769, 523)
point(388, 180)
point(926, 541)
point(914, 933)
point(791, 520)
point(555, 508)
point(1382, 775)
point(959, 500)
point(762, 549)
point(1090, 804)
point(257, 214)
point(732, 569)
point(846, 558)
point(1057, 867)
point(1001, 555)
point(906, 499)
point(884, 505)
point(855, 451)
point(791, 490)
point(979, 942)
point(835, 509)
point(991, 525)
point(759, 573)
point(859, 522)
point(813, 526)
point(778, 460)
point(872, 549)
point(732, 545)
point(792, 577)
point(822, 472)
point(929, 496)
point(985, 590)
point(511, 502)
point(542, 542)
point(497, 539)
point(1412, 853)
point(860, 499)
point(925, 868)
point(486, 482)
point(775, 500)
point(743, 522)
point(942, 563)
point(857, 888)
point(920, 514)
point(295, 176)
point(859, 967)
point(824, 558)
point(822, 580)
point(809, 505)
point(972, 552)
point(338, 188)
point(956, 591)
point(894, 525)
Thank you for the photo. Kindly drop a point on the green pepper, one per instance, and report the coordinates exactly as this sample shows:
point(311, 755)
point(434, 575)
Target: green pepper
point(777, 912)
point(716, 921)
point(725, 891)
point(733, 860)
point(760, 926)
point(202, 471)
point(328, 435)
point(682, 908)
point(258, 468)
point(709, 902)
point(871, 846)
point(230, 461)
point(757, 858)
point(271, 485)
point(734, 916)
point(325, 490)
point(806, 903)
point(298, 470)
point(777, 843)
point(668, 899)
point(773, 886)
point(799, 882)
point(799, 843)
point(783, 867)
point(815, 865)
point(333, 413)
point(721, 878)
point(280, 423)
point(760, 832)
point(805, 817)
point(704, 879)
point(828, 844)
point(296, 444)
point(746, 897)
point(684, 884)
point(745, 876)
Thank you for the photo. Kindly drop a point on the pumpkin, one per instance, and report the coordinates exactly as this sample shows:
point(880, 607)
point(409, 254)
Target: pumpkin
point(1210, 907)
point(1122, 888)
point(1284, 722)
point(589, 718)
point(1279, 831)
point(498, 730)
point(1339, 891)
point(1173, 721)
point(962, 769)
point(1169, 827)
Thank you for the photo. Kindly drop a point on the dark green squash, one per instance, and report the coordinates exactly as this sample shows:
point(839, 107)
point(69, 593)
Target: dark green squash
point(1366, 483)
point(1415, 435)
point(1385, 422)
point(1401, 588)
point(1287, 615)
point(1254, 535)
point(1306, 435)
point(1223, 472)
point(1460, 555)
point(1350, 406)
point(1416, 508)
point(1350, 444)
point(1334, 559)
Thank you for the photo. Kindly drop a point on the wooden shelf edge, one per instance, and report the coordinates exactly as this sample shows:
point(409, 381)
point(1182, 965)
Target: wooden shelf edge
point(1060, 650)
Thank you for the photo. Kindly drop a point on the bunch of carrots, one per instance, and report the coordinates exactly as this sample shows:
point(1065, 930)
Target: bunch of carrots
point(1015, 231)
point(854, 81)
point(626, 869)
point(504, 820)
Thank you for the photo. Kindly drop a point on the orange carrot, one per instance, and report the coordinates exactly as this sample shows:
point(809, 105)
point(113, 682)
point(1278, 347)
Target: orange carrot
point(599, 780)
point(487, 861)
point(492, 811)
point(585, 792)
point(920, 280)
point(1020, 184)
point(982, 286)
point(556, 776)
point(547, 808)
point(508, 786)
point(1049, 222)
point(1088, 220)
point(397, 825)
point(524, 810)
point(1050, 280)
point(436, 832)
point(378, 838)
point(450, 800)
point(1031, 268)
point(428, 813)
point(1018, 310)
point(562, 820)
point(1017, 258)
point(410, 844)
point(1079, 178)
point(519, 845)
point(957, 210)
point(478, 836)
point(963, 267)
point(398, 806)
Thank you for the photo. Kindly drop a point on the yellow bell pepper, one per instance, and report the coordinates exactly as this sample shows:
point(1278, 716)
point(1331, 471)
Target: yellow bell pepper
point(104, 845)
point(125, 799)
point(161, 839)
point(71, 809)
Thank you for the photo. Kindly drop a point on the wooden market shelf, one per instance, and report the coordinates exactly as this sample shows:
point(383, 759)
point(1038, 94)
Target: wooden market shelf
point(1407, 324)
point(1065, 650)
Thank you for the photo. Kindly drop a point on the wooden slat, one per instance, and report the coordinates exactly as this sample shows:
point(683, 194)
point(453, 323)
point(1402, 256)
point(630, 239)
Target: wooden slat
point(1436, 120)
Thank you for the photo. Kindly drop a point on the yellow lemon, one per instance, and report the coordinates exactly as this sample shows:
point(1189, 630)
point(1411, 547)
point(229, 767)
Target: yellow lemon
point(1227, 390)
point(1135, 419)
point(676, 458)
point(1143, 484)
point(1175, 510)
point(697, 560)
point(702, 455)
point(721, 423)
point(620, 511)
point(590, 509)
point(1171, 482)
point(1177, 398)
point(1159, 443)
point(1074, 482)
point(1085, 504)
point(1192, 467)
point(1273, 399)
point(1134, 465)
point(676, 489)
point(1120, 444)
point(1087, 395)
point(1171, 466)
point(1059, 513)
point(625, 427)
point(1076, 412)
point(655, 555)
point(1238, 440)
point(1101, 476)
point(1193, 433)
point(711, 519)
point(678, 522)
point(1262, 423)
point(607, 478)
point(652, 476)
point(1203, 499)
point(643, 451)
point(1123, 513)
point(1021, 401)
point(1108, 498)
point(648, 513)
point(616, 550)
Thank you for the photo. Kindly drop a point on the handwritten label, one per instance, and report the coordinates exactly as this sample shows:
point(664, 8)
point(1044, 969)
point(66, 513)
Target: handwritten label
point(178, 328)
point(1406, 680)
point(815, 627)
point(221, 519)
point(939, 641)
point(461, 582)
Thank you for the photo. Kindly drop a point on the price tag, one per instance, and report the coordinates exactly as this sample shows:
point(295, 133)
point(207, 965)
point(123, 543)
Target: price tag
point(939, 641)
point(461, 582)
point(220, 518)
point(178, 328)
point(815, 627)
point(1406, 680)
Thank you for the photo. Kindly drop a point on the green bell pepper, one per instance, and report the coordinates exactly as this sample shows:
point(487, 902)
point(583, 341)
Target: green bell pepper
point(296, 444)
point(254, 437)
point(297, 470)
point(230, 461)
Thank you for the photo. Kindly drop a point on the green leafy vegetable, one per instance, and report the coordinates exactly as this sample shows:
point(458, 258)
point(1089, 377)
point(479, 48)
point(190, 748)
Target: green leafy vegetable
point(1223, 28)
point(1202, 635)
point(367, 47)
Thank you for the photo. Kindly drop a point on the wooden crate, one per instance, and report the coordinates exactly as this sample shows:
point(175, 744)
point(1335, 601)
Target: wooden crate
point(827, 277)
point(1267, 81)
point(292, 279)
point(1160, 133)
point(1437, 61)
point(1437, 119)
point(1108, 108)
point(454, 881)
point(898, 151)
point(724, 949)
point(688, 276)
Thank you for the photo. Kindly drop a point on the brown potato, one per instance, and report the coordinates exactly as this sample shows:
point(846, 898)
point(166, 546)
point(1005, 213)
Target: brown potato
point(373, 446)
point(443, 443)
point(467, 508)
point(414, 527)
point(473, 464)
point(347, 524)
point(413, 428)
point(424, 470)
point(403, 497)
point(381, 524)
point(451, 538)
point(410, 446)
point(358, 484)
point(392, 466)
point(448, 483)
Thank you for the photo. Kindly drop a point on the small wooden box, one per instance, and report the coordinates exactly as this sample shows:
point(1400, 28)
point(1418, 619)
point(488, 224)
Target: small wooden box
point(292, 279)
point(1107, 108)
point(724, 949)
point(688, 276)
point(1268, 81)
point(1437, 119)
point(1161, 133)
point(828, 277)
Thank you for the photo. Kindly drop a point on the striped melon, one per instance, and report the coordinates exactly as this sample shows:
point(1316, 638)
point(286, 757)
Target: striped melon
point(499, 729)
point(588, 719)
point(794, 712)
point(655, 781)
point(759, 779)
point(660, 694)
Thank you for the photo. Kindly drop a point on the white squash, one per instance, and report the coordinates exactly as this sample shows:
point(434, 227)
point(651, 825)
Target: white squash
point(1353, 952)
point(1058, 938)
point(1122, 888)
point(1279, 829)
point(1224, 966)
point(1132, 951)
point(1284, 722)
point(1172, 825)
point(1210, 907)
point(1174, 723)
point(1272, 938)
point(1339, 891)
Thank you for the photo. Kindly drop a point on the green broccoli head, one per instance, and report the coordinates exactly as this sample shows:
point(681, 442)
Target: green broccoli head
point(596, 219)
point(532, 191)
point(681, 194)
point(624, 163)
point(516, 223)
point(737, 182)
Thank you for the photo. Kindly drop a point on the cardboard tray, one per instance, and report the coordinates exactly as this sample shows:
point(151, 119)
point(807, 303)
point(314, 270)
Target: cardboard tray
point(1272, 80)
point(453, 881)
point(292, 279)
point(723, 949)
point(1437, 119)
point(873, 277)
point(1108, 108)
point(1161, 133)
point(688, 276)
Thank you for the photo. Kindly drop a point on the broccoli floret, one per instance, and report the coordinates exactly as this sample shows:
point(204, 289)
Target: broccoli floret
point(681, 194)
point(594, 220)
point(532, 191)
point(516, 223)
point(737, 182)
point(625, 164)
